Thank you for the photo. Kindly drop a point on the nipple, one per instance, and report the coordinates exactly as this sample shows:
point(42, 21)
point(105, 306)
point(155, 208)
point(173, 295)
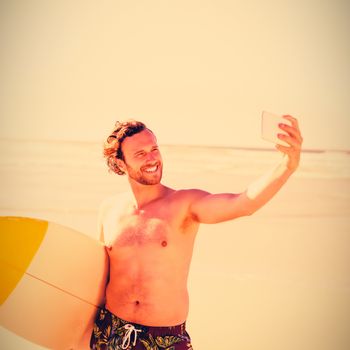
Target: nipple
point(164, 243)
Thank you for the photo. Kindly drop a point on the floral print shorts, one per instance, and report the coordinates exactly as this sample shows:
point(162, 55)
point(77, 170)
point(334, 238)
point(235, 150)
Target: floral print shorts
point(112, 333)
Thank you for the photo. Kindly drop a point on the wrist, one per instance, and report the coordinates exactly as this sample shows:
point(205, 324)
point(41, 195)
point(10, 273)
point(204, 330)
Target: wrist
point(290, 165)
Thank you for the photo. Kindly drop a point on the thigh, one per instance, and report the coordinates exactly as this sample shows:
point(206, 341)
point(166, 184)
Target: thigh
point(108, 331)
point(166, 342)
point(101, 332)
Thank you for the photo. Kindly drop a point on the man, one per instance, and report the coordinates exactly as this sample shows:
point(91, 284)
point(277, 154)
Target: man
point(149, 239)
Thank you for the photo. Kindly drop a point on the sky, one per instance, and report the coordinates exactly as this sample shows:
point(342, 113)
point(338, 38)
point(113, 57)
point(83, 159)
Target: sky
point(196, 72)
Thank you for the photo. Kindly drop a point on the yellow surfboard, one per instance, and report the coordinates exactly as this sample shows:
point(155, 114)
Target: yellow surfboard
point(52, 281)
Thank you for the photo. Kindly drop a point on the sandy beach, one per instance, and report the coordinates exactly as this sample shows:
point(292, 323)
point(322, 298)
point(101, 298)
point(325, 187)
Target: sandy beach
point(279, 279)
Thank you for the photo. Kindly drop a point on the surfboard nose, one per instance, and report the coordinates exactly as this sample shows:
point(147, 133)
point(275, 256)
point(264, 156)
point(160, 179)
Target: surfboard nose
point(20, 239)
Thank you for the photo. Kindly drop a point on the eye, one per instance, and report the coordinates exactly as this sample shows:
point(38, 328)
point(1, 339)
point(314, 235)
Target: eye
point(140, 154)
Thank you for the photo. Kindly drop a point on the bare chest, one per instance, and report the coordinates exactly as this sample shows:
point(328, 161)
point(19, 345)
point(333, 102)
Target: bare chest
point(137, 230)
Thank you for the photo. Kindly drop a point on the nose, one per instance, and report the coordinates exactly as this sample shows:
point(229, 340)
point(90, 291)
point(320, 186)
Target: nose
point(151, 157)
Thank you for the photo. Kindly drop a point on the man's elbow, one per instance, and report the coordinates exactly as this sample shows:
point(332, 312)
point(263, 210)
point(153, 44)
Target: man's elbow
point(250, 210)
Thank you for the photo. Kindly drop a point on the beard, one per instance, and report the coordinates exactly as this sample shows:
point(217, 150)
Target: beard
point(143, 177)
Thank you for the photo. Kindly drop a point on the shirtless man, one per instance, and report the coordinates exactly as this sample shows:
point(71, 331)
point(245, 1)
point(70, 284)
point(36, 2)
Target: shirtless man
point(150, 236)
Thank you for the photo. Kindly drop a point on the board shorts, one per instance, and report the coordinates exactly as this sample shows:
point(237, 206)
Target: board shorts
point(112, 333)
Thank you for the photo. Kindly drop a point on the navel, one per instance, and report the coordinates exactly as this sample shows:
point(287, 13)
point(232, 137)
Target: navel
point(164, 243)
point(137, 302)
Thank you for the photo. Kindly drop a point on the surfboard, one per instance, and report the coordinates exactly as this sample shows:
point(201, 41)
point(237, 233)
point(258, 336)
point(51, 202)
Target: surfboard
point(52, 282)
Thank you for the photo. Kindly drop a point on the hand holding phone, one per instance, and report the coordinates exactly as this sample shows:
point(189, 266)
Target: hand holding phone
point(270, 128)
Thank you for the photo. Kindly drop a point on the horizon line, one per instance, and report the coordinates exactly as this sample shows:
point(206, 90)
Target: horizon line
point(245, 148)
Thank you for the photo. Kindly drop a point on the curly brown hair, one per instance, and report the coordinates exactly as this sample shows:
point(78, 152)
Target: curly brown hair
point(112, 149)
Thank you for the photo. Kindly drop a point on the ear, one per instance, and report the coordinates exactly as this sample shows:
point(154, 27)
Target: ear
point(121, 164)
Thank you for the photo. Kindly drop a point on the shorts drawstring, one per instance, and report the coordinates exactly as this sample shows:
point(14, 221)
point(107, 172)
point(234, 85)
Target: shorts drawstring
point(129, 330)
point(110, 331)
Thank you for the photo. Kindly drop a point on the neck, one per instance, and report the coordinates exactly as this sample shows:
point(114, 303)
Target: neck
point(145, 194)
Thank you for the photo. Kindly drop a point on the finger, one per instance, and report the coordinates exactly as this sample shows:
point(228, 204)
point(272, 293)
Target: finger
point(290, 140)
point(284, 149)
point(292, 131)
point(293, 120)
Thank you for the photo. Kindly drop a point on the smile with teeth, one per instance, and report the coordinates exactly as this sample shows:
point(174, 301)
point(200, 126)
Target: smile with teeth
point(151, 169)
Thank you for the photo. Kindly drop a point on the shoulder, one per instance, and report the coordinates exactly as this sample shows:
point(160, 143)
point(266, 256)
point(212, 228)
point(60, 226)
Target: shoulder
point(189, 196)
point(187, 200)
point(191, 193)
point(113, 201)
point(105, 204)
point(109, 209)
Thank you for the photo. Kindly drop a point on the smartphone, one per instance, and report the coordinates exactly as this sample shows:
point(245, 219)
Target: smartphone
point(270, 128)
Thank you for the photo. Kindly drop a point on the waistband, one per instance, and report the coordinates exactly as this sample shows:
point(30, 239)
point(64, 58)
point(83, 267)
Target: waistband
point(154, 330)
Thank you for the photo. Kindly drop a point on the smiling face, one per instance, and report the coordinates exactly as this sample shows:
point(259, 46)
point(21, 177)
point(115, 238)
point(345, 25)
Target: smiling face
point(142, 159)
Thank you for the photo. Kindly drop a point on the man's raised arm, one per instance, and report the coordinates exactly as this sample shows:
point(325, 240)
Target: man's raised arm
point(213, 208)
